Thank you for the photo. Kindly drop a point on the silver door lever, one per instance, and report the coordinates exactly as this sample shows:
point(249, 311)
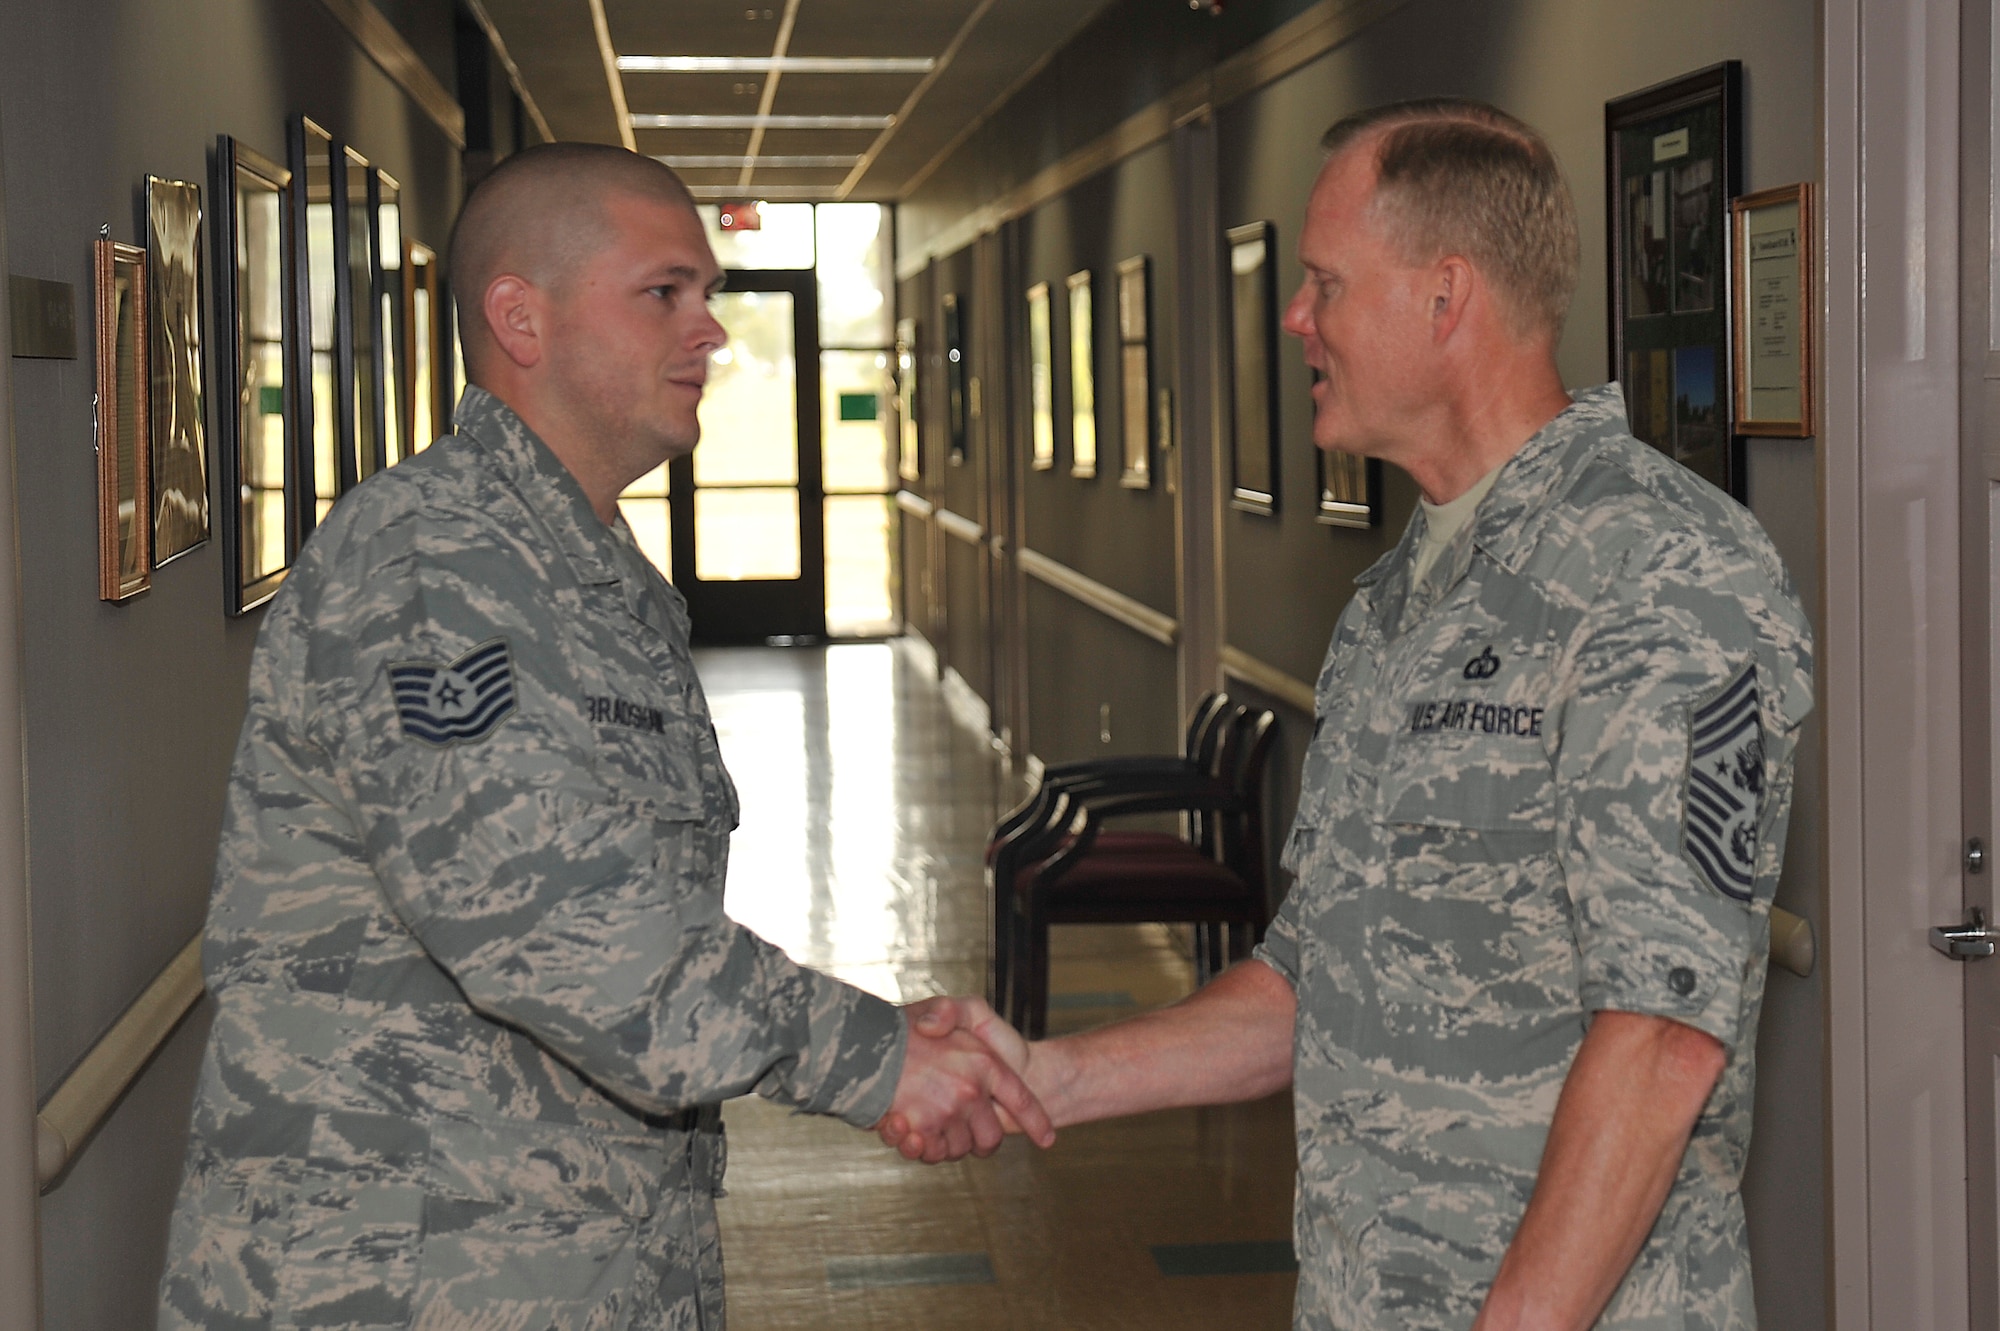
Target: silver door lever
point(1968, 941)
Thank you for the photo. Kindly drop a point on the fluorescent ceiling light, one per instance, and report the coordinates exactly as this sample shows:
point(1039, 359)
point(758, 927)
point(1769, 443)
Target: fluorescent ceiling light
point(768, 159)
point(761, 122)
point(764, 193)
point(773, 64)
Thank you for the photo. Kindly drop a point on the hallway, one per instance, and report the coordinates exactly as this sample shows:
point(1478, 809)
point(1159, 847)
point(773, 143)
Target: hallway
point(866, 803)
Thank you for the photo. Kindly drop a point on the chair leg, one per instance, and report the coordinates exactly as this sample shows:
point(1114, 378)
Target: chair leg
point(1035, 1009)
point(999, 933)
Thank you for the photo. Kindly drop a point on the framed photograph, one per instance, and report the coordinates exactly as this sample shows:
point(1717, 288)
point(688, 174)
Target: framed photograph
point(1773, 239)
point(1134, 373)
point(1673, 160)
point(359, 353)
point(1041, 379)
point(1350, 490)
point(174, 319)
point(909, 355)
point(1082, 378)
point(316, 375)
point(124, 442)
point(392, 325)
point(1253, 302)
point(430, 414)
point(956, 387)
point(254, 249)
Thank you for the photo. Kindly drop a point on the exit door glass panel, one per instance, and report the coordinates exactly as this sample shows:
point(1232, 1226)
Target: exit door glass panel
point(783, 237)
point(855, 392)
point(746, 535)
point(644, 505)
point(858, 530)
point(855, 271)
point(749, 413)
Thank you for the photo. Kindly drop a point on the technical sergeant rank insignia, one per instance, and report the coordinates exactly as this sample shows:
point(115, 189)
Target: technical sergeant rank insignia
point(444, 704)
point(1726, 787)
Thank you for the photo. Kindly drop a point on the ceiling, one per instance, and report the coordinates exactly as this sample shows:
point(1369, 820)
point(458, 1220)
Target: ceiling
point(802, 116)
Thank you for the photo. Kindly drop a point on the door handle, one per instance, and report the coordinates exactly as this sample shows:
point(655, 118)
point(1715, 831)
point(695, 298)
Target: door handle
point(1968, 941)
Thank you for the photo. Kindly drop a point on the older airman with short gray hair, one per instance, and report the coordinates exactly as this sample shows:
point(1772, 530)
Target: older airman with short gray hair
point(1515, 985)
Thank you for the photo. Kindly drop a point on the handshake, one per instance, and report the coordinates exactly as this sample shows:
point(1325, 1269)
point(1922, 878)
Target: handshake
point(966, 1084)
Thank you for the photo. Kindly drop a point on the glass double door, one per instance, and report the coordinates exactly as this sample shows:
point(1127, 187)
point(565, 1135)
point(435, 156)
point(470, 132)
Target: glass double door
point(746, 519)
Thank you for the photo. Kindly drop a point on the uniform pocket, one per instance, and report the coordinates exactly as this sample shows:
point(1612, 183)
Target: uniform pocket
point(534, 1225)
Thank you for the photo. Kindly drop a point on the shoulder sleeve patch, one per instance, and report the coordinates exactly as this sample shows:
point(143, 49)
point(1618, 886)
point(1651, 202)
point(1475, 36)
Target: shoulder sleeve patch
point(1725, 787)
point(458, 702)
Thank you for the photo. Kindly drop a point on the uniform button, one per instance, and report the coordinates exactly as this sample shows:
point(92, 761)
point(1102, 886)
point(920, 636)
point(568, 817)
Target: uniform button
point(1681, 980)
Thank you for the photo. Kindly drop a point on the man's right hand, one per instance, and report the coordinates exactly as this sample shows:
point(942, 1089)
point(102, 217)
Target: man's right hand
point(957, 1095)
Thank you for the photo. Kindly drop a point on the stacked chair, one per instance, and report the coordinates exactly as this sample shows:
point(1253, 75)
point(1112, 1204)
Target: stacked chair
point(1053, 860)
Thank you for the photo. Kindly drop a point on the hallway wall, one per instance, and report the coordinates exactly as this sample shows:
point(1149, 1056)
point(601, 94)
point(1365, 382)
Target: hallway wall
point(1284, 578)
point(132, 711)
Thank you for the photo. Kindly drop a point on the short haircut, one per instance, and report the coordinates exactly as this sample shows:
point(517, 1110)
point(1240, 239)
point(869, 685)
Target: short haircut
point(1455, 176)
point(540, 214)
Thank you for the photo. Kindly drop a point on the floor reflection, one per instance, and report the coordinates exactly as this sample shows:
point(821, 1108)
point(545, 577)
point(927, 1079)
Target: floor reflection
point(865, 811)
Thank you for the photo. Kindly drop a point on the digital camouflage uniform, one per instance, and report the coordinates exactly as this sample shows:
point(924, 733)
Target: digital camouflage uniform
point(1550, 780)
point(476, 996)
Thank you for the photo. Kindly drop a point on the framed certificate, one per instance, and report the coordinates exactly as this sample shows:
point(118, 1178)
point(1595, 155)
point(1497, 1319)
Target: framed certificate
point(1774, 239)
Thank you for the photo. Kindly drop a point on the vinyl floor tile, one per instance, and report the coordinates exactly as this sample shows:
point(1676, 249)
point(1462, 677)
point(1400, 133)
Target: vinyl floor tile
point(866, 806)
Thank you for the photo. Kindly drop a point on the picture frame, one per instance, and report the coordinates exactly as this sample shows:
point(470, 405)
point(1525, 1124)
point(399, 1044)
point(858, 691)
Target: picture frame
point(124, 422)
point(1350, 490)
point(256, 453)
point(1135, 373)
point(316, 318)
point(1673, 160)
point(359, 359)
point(178, 401)
point(430, 414)
point(1774, 248)
point(1254, 455)
point(1082, 377)
point(909, 355)
point(956, 379)
point(1041, 381)
point(391, 318)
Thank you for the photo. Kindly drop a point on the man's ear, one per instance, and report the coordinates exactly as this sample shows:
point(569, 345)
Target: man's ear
point(516, 316)
point(1452, 283)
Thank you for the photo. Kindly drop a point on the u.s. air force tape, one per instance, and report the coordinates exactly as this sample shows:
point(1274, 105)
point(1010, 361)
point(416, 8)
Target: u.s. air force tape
point(1725, 787)
point(458, 702)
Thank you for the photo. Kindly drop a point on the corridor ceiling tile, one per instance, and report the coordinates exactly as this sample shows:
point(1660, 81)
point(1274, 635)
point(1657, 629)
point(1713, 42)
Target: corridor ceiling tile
point(898, 27)
point(843, 94)
point(554, 44)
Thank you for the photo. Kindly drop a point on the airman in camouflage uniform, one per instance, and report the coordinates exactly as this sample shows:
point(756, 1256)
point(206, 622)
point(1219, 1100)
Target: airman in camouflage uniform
point(1550, 779)
point(1514, 988)
point(476, 997)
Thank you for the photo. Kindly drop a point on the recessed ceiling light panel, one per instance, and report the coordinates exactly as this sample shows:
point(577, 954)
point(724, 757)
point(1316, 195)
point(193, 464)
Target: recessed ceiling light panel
point(774, 64)
point(644, 121)
point(805, 161)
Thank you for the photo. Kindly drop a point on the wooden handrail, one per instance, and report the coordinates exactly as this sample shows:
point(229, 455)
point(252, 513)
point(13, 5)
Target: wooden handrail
point(92, 1089)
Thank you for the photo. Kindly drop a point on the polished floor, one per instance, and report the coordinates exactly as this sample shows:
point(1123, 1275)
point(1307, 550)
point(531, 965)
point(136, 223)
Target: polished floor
point(867, 798)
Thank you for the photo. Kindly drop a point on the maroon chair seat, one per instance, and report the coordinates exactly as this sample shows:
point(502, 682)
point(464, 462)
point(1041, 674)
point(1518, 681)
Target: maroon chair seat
point(1078, 872)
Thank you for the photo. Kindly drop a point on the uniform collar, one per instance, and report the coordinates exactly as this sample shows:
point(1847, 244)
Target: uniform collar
point(554, 495)
point(1509, 520)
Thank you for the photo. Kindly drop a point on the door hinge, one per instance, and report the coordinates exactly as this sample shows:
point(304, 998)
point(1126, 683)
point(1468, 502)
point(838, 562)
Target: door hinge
point(1975, 856)
point(1968, 941)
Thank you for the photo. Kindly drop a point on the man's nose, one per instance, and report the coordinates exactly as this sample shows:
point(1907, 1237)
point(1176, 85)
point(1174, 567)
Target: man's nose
point(1298, 312)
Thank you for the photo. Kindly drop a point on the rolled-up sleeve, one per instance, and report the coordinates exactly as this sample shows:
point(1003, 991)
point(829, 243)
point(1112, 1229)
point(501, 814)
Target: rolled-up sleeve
point(1673, 789)
point(560, 900)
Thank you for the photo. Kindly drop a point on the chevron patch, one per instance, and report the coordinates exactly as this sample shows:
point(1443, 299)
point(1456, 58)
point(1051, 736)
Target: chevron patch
point(1726, 788)
point(460, 702)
